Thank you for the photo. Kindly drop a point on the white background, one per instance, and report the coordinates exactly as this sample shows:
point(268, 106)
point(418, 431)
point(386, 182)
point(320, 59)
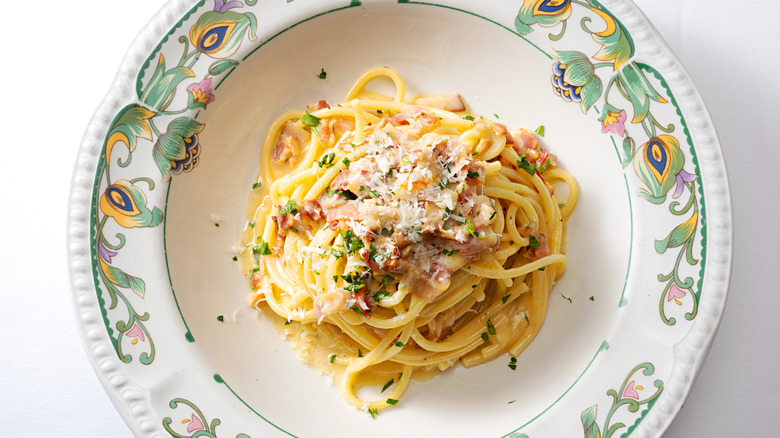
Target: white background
point(59, 58)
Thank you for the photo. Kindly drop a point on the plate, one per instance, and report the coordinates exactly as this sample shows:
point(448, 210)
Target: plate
point(164, 172)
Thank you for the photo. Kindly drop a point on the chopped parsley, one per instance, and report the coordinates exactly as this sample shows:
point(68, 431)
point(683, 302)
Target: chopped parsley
point(449, 252)
point(290, 208)
point(354, 287)
point(332, 358)
point(526, 319)
point(360, 353)
point(261, 249)
point(473, 174)
point(387, 280)
point(352, 243)
point(526, 165)
point(346, 161)
point(337, 254)
point(235, 259)
point(256, 185)
point(221, 318)
point(592, 298)
point(542, 268)
point(566, 298)
point(513, 364)
point(387, 385)
point(492, 215)
point(485, 336)
point(386, 232)
point(216, 224)
point(323, 74)
point(310, 120)
point(505, 298)
point(373, 412)
point(356, 309)
point(495, 115)
point(398, 344)
point(469, 118)
point(490, 327)
point(373, 194)
point(540, 130)
point(327, 160)
point(533, 242)
point(392, 401)
point(380, 295)
point(470, 227)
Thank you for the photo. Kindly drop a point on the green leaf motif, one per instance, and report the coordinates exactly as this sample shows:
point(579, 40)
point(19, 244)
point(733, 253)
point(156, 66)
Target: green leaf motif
point(121, 279)
point(171, 146)
point(221, 65)
point(638, 89)
point(589, 425)
point(185, 127)
point(679, 235)
point(614, 40)
point(162, 85)
point(629, 147)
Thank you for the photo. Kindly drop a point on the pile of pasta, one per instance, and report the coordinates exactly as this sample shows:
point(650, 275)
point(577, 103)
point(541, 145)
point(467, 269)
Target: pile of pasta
point(391, 238)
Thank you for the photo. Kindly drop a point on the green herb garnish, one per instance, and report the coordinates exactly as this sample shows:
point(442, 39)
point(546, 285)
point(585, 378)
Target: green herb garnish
point(323, 74)
point(540, 130)
point(387, 385)
point(469, 118)
point(490, 327)
point(310, 120)
point(392, 401)
point(513, 364)
point(533, 242)
point(221, 318)
point(526, 165)
point(290, 208)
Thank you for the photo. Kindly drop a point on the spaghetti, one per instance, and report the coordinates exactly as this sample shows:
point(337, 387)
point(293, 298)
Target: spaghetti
point(394, 238)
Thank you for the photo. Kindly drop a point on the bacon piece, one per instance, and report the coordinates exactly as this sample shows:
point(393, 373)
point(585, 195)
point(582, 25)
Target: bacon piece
point(330, 302)
point(320, 104)
point(312, 210)
point(522, 141)
point(288, 142)
point(406, 116)
point(346, 211)
point(542, 251)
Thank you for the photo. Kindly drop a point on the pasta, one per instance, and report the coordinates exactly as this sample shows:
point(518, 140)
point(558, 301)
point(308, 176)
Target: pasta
point(394, 237)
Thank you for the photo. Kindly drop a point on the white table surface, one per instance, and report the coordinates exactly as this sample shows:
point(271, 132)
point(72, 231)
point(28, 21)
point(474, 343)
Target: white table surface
point(56, 70)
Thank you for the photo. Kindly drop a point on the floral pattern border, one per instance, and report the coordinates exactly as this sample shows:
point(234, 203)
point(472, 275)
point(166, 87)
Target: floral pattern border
point(659, 162)
point(125, 204)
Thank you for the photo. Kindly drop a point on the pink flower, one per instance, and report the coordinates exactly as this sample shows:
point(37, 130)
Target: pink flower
point(674, 293)
point(630, 392)
point(200, 94)
point(613, 120)
point(136, 333)
point(194, 424)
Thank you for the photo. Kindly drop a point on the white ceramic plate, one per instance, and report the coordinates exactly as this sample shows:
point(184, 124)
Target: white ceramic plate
point(160, 190)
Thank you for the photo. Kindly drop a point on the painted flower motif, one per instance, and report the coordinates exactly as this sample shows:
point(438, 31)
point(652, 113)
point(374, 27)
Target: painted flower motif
point(658, 165)
point(104, 252)
point(631, 392)
point(126, 204)
point(200, 94)
point(137, 333)
point(675, 293)
point(682, 178)
point(219, 33)
point(574, 79)
point(178, 149)
point(546, 13)
point(194, 424)
point(613, 120)
point(615, 43)
point(638, 90)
